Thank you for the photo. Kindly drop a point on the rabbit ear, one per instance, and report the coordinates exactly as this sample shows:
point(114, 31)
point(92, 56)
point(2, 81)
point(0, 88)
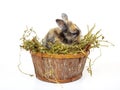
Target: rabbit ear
point(64, 17)
point(61, 24)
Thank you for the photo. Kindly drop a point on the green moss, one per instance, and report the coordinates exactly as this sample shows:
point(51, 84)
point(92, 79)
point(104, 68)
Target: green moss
point(87, 42)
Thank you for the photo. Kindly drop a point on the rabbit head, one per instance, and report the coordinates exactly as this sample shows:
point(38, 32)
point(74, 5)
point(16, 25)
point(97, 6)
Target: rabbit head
point(70, 31)
point(66, 32)
point(66, 25)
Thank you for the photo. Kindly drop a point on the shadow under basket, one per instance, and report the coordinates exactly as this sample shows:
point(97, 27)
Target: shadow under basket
point(59, 68)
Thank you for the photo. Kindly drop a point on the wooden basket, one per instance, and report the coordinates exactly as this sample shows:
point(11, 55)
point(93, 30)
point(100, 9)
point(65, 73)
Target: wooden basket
point(59, 68)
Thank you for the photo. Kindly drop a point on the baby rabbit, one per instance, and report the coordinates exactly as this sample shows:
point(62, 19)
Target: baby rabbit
point(66, 32)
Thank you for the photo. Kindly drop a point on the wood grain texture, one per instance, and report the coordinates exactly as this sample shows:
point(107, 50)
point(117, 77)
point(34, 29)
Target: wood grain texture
point(62, 69)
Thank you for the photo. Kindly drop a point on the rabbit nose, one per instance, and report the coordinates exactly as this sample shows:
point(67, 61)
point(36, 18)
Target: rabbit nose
point(69, 41)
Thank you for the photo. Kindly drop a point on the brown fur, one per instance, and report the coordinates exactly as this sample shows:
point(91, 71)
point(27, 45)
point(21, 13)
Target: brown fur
point(66, 33)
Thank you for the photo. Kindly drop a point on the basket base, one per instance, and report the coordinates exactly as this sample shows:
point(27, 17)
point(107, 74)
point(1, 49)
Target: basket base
point(59, 81)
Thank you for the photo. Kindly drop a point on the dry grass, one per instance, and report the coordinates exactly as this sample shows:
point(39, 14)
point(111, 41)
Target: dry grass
point(89, 41)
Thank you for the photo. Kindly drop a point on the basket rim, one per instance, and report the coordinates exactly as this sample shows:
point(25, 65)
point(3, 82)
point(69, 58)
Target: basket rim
point(60, 56)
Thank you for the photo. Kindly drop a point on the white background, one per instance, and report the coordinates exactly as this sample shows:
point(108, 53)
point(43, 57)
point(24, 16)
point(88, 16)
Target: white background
point(15, 15)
